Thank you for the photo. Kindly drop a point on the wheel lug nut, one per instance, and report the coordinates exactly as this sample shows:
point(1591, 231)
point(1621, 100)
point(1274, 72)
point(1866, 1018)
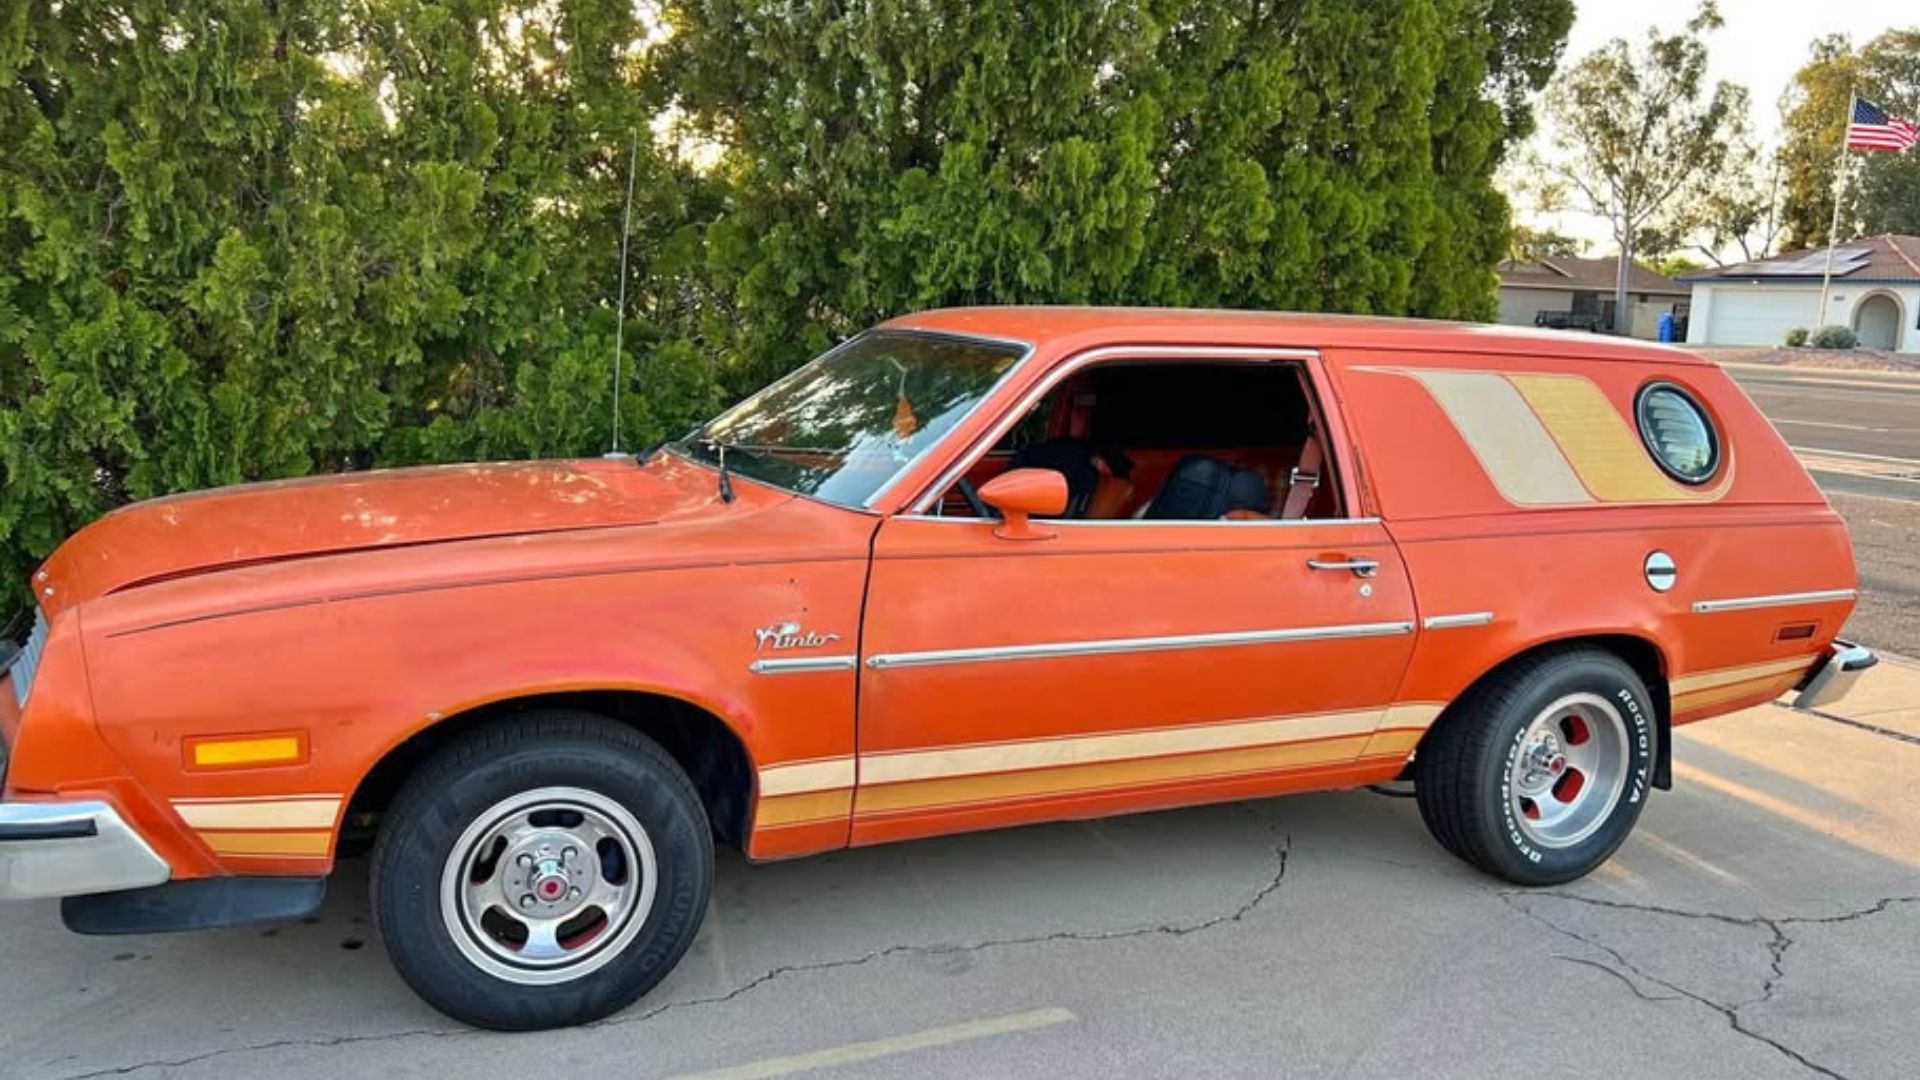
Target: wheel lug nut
point(525, 859)
point(567, 854)
point(526, 900)
point(573, 894)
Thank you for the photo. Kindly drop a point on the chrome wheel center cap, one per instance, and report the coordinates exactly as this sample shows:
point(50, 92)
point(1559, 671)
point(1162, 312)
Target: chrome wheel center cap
point(548, 878)
point(551, 884)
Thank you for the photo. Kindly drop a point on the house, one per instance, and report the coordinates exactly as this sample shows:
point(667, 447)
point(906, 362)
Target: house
point(1578, 294)
point(1876, 290)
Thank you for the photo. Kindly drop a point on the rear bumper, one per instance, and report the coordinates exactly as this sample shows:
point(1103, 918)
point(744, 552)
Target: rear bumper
point(1830, 681)
point(72, 849)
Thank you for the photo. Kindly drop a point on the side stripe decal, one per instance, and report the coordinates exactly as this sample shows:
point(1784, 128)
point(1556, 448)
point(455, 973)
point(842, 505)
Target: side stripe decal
point(1513, 446)
point(798, 793)
point(1551, 439)
point(280, 827)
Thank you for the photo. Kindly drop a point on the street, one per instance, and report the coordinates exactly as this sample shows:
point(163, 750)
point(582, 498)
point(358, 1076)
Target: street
point(1758, 924)
point(1858, 431)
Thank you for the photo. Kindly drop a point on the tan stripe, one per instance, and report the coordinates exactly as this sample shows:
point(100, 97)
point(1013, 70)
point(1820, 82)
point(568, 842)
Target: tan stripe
point(314, 813)
point(1772, 686)
point(902, 766)
point(1085, 778)
point(1398, 742)
point(806, 776)
point(1403, 727)
point(799, 809)
point(1516, 451)
point(270, 843)
point(1412, 714)
point(1606, 453)
point(1701, 680)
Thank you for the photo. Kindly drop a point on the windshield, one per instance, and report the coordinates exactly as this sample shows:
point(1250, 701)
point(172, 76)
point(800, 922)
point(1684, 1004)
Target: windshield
point(842, 427)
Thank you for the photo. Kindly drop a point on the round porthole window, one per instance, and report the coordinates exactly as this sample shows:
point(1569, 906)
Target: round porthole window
point(1678, 433)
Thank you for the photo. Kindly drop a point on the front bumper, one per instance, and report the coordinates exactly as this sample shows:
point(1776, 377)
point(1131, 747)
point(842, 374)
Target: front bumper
point(1835, 675)
point(72, 849)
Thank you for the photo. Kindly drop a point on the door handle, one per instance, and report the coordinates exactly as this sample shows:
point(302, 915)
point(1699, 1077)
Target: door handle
point(1360, 567)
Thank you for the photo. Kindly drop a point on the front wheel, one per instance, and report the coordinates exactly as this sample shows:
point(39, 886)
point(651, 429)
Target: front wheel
point(541, 871)
point(1539, 773)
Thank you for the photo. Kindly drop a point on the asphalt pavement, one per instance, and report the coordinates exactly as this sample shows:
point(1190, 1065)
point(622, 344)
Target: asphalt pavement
point(1859, 432)
point(1760, 923)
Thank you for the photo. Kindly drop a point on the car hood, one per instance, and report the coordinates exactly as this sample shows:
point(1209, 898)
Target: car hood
point(196, 533)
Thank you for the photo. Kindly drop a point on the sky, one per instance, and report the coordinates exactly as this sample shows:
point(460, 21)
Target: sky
point(1762, 44)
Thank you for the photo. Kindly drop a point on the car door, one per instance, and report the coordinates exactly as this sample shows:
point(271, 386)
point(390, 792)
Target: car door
point(1121, 665)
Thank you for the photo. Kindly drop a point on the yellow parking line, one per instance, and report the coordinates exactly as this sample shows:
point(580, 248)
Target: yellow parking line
point(879, 1048)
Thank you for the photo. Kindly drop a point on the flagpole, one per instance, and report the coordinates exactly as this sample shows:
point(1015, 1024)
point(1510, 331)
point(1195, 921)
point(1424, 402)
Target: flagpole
point(1833, 230)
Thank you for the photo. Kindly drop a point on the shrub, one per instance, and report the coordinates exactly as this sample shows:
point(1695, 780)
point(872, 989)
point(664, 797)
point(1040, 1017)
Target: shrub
point(1835, 337)
point(244, 240)
point(1796, 337)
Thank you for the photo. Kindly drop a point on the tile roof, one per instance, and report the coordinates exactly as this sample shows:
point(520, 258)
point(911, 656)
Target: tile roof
point(1887, 257)
point(1556, 272)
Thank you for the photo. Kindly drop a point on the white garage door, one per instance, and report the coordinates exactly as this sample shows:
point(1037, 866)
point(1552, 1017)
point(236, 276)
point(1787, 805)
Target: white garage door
point(1759, 316)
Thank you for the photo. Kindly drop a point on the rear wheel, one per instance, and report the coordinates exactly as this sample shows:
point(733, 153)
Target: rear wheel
point(1538, 774)
point(542, 871)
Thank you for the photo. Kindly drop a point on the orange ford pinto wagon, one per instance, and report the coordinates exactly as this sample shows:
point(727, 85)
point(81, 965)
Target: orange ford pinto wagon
point(973, 568)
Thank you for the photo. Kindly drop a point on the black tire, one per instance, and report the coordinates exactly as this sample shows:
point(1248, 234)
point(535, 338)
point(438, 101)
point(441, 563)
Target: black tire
point(502, 760)
point(1463, 774)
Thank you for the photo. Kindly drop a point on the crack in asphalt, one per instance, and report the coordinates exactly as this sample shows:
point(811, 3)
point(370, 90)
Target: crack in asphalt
point(1778, 943)
point(1282, 850)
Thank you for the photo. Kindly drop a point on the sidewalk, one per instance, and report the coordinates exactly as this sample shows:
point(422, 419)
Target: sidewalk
point(1886, 697)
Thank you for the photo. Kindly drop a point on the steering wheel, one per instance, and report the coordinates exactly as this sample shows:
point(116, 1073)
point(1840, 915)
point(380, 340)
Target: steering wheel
point(972, 495)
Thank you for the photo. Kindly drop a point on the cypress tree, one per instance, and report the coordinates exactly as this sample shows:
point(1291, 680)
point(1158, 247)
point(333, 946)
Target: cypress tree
point(245, 240)
point(886, 155)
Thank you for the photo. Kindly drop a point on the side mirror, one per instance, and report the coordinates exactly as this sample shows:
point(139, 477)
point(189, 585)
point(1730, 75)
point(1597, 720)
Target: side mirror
point(1021, 492)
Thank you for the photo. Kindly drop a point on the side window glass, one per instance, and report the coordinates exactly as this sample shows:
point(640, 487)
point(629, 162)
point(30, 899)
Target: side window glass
point(1173, 441)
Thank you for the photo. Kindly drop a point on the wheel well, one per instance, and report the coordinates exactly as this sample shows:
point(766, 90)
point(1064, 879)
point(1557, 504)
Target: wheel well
point(703, 745)
point(1643, 656)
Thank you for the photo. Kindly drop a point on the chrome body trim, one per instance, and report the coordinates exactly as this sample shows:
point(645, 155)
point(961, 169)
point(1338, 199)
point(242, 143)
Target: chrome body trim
point(1835, 676)
point(1454, 622)
point(1743, 603)
point(1012, 414)
point(796, 665)
point(1113, 646)
point(72, 849)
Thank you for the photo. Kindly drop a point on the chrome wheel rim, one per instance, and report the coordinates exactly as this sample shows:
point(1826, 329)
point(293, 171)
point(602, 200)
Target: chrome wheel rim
point(1568, 770)
point(548, 885)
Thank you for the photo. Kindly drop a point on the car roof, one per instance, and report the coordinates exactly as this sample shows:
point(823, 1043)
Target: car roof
point(1073, 328)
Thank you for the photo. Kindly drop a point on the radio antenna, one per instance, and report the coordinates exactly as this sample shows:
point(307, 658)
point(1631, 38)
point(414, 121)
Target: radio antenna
point(620, 315)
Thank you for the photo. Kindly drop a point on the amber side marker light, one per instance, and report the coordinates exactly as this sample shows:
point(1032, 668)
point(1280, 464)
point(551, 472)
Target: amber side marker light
point(246, 751)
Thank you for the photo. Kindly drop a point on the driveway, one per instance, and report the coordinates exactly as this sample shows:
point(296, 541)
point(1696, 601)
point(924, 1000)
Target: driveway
point(1760, 923)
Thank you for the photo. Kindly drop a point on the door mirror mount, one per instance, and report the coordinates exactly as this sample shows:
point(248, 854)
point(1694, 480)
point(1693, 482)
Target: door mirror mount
point(1020, 493)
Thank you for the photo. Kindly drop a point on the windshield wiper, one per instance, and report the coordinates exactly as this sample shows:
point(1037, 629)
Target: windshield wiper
point(720, 448)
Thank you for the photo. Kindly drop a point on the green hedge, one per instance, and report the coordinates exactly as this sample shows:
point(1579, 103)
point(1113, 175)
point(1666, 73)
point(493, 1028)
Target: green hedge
point(253, 240)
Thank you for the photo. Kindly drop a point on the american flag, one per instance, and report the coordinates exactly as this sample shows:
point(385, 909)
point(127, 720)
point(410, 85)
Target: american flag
point(1872, 129)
